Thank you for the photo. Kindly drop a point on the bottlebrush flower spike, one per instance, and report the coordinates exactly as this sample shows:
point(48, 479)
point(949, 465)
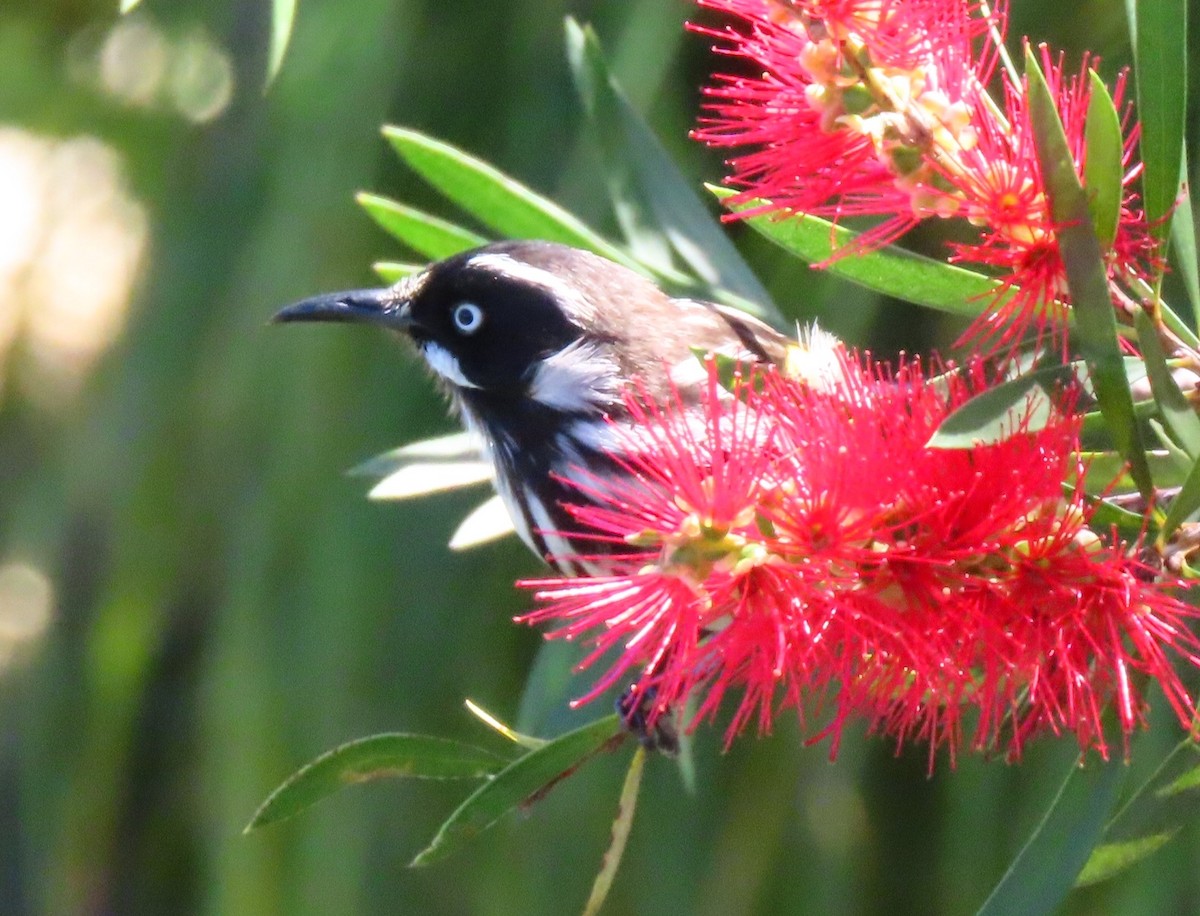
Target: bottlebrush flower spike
point(870, 109)
point(1003, 194)
point(802, 545)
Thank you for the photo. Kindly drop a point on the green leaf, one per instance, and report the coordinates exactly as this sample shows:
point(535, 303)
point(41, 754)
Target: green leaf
point(642, 173)
point(548, 688)
point(1108, 469)
point(447, 447)
point(1188, 780)
point(1094, 424)
point(376, 757)
point(1045, 869)
point(1158, 29)
point(521, 782)
point(1152, 814)
point(499, 202)
point(283, 15)
point(1106, 515)
point(1177, 413)
point(890, 270)
point(425, 234)
point(1095, 320)
point(127, 5)
point(997, 413)
point(392, 271)
point(633, 212)
point(1182, 507)
point(620, 834)
point(1109, 858)
point(1103, 169)
point(731, 371)
point(503, 728)
point(1183, 242)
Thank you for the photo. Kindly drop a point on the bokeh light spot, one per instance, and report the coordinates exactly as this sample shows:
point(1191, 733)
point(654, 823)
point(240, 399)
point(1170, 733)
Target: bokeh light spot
point(72, 239)
point(26, 607)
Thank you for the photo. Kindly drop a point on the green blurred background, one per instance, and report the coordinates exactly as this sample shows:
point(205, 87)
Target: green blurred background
point(194, 599)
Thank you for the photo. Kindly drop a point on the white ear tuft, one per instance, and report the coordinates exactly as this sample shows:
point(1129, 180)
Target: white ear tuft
point(579, 377)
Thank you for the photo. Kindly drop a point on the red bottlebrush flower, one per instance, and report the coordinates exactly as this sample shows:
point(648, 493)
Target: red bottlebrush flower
point(844, 100)
point(883, 110)
point(804, 546)
point(690, 502)
point(1003, 193)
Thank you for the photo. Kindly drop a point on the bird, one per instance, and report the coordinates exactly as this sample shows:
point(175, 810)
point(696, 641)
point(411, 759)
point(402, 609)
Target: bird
point(536, 345)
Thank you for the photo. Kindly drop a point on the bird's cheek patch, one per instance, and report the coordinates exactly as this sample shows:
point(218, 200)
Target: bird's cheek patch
point(444, 363)
point(577, 378)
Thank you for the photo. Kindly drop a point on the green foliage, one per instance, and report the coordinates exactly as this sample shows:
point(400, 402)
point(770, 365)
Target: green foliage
point(891, 270)
point(422, 232)
point(1178, 415)
point(1159, 31)
point(377, 757)
point(656, 203)
point(521, 783)
point(1095, 319)
point(1020, 404)
point(1103, 167)
point(283, 15)
point(1048, 865)
point(499, 202)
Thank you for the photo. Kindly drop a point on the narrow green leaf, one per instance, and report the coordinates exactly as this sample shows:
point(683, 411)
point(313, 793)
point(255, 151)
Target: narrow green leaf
point(634, 213)
point(1190, 779)
point(989, 416)
point(502, 728)
point(1183, 243)
point(458, 446)
point(1108, 859)
point(1103, 170)
point(1177, 413)
point(1150, 815)
point(524, 780)
point(425, 234)
point(1095, 320)
point(891, 271)
point(998, 412)
point(620, 834)
point(1176, 325)
point(496, 200)
point(549, 687)
point(392, 271)
point(283, 15)
point(731, 371)
point(1094, 423)
point(640, 170)
point(1108, 469)
point(376, 757)
point(1184, 504)
point(1158, 29)
point(1045, 869)
point(1180, 458)
point(1105, 515)
point(127, 5)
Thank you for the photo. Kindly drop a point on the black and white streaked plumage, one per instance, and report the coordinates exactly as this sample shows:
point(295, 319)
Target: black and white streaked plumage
point(535, 344)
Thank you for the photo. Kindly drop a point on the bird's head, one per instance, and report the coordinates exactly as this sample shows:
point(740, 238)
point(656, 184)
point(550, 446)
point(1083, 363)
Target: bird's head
point(530, 320)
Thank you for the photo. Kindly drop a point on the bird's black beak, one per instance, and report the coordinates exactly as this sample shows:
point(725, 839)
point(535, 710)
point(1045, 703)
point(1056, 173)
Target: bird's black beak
point(370, 306)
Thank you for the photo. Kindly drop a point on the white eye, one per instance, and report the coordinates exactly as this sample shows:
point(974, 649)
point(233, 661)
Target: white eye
point(468, 317)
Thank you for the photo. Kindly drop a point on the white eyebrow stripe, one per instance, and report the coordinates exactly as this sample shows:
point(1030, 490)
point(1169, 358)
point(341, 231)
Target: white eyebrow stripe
point(577, 377)
point(508, 266)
